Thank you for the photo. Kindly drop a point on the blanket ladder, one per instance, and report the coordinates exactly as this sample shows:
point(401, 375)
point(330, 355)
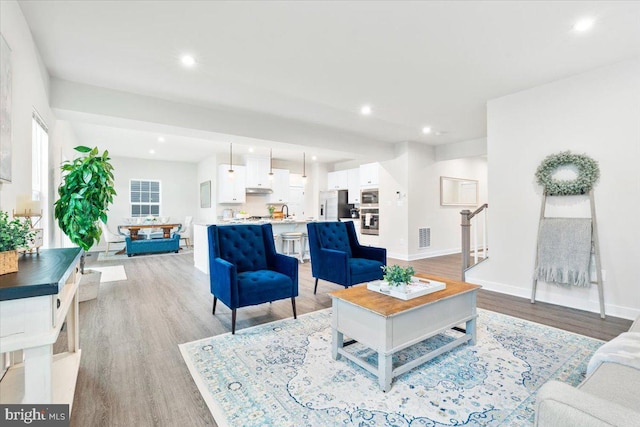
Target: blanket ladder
point(595, 250)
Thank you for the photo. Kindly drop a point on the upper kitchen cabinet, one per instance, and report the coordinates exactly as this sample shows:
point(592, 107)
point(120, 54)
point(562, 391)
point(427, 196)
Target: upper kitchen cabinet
point(338, 180)
point(257, 172)
point(280, 186)
point(369, 175)
point(232, 187)
point(354, 186)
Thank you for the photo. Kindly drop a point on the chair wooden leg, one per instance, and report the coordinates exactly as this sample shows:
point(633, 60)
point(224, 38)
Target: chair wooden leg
point(215, 300)
point(316, 287)
point(233, 321)
point(293, 304)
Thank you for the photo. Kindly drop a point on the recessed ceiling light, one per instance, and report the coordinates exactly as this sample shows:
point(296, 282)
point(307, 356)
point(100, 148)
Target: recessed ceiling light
point(251, 149)
point(365, 110)
point(188, 60)
point(160, 139)
point(426, 130)
point(583, 25)
point(314, 158)
point(152, 151)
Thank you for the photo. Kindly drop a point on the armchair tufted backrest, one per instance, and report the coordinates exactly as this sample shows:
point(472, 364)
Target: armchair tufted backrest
point(243, 245)
point(333, 235)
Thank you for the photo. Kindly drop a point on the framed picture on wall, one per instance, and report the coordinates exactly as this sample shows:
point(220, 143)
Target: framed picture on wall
point(205, 194)
point(5, 111)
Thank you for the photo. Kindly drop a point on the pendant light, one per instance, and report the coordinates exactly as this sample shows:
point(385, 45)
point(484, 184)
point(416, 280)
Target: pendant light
point(230, 171)
point(304, 168)
point(271, 163)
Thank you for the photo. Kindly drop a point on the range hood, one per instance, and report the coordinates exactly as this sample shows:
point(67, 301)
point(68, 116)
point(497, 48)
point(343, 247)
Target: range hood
point(258, 190)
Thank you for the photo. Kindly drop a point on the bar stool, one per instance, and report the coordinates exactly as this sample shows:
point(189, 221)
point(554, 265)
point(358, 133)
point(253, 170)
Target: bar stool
point(290, 238)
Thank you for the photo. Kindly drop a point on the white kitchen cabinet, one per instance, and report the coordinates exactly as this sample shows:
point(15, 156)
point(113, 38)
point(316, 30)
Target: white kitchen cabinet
point(232, 187)
point(369, 175)
point(257, 172)
point(354, 185)
point(280, 186)
point(337, 180)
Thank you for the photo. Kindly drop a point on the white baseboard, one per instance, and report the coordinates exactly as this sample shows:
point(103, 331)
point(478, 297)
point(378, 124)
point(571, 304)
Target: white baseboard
point(590, 304)
point(431, 254)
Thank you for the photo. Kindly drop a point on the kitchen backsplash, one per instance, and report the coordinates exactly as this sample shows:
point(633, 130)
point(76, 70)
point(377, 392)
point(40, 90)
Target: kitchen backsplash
point(256, 205)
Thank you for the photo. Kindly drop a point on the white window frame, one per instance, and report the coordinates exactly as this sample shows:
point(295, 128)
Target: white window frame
point(140, 203)
point(40, 169)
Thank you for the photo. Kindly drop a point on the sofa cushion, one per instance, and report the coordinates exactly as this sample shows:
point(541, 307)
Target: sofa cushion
point(333, 235)
point(364, 270)
point(615, 383)
point(257, 287)
point(243, 246)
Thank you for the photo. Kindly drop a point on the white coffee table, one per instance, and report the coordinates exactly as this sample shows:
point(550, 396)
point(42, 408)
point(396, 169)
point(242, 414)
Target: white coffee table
point(388, 325)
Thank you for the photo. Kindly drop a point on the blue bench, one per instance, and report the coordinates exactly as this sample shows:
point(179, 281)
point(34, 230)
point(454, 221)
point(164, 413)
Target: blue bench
point(148, 246)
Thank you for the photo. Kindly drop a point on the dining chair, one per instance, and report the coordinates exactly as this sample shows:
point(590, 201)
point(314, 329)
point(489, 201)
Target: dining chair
point(109, 236)
point(186, 232)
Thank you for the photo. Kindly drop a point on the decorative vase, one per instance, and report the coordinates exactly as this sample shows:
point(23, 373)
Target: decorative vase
point(401, 288)
point(8, 262)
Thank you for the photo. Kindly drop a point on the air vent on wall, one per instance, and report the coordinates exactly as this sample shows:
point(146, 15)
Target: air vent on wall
point(424, 238)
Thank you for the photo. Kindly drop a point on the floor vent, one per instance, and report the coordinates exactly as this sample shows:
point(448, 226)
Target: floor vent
point(424, 238)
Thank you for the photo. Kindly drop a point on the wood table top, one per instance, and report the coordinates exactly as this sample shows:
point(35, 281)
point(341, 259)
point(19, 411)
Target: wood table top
point(158, 225)
point(387, 306)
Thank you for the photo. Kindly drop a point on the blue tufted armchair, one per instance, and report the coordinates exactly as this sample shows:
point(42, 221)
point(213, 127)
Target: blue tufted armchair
point(245, 269)
point(336, 255)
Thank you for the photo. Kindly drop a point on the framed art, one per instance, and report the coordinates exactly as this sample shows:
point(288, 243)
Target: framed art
point(205, 194)
point(458, 191)
point(5, 111)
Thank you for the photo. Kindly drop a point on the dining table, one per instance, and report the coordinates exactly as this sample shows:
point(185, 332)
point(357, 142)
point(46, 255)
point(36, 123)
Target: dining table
point(135, 228)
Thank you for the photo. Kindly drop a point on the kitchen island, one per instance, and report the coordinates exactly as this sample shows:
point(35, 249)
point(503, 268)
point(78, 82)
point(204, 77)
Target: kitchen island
point(201, 240)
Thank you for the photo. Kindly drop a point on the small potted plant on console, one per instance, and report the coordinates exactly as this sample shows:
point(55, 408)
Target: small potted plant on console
point(14, 235)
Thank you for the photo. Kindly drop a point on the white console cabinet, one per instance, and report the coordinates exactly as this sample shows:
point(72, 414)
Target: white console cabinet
point(34, 303)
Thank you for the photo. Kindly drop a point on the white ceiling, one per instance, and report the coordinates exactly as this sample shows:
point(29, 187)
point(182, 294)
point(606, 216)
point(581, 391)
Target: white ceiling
point(416, 63)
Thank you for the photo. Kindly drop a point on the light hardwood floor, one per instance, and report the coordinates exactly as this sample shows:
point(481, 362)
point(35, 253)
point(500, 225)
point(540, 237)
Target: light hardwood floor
point(132, 372)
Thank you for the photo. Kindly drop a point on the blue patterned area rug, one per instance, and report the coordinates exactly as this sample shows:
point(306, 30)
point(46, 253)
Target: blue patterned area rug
point(282, 374)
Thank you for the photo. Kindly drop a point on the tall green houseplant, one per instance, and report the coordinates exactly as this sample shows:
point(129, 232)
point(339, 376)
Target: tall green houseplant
point(85, 195)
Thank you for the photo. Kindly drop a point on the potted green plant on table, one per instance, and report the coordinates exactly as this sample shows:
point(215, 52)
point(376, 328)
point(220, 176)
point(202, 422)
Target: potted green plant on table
point(397, 276)
point(14, 235)
point(86, 191)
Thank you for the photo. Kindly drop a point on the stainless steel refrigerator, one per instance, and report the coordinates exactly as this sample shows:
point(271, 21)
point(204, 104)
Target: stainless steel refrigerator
point(333, 205)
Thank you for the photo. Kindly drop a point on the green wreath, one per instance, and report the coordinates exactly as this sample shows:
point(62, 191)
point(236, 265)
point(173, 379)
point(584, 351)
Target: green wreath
point(588, 174)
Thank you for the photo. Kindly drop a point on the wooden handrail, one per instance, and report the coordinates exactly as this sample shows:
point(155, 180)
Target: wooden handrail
point(465, 225)
point(477, 211)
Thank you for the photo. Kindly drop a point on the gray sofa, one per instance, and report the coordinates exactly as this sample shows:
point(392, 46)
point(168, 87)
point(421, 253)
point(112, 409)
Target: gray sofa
point(609, 396)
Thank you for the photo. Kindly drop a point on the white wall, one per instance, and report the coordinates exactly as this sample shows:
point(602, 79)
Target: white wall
point(595, 113)
point(29, 91)
point(179, 188)
point(458, 150)
point(410, 200)
point(207, 170)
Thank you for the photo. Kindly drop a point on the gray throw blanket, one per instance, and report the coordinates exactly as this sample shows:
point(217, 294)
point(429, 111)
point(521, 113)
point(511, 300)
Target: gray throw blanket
point(564, 251)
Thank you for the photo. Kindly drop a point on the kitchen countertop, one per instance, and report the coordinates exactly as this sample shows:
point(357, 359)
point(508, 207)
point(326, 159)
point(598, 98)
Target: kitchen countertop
point(262, 221)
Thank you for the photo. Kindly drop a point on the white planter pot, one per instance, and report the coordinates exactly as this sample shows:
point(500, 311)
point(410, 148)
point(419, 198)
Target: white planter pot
point(89, 285)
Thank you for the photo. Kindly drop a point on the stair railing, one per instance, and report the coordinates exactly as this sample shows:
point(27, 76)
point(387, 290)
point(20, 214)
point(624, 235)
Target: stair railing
point(471, 220)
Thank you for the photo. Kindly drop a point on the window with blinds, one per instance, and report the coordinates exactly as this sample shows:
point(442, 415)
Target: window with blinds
point(144, 197)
